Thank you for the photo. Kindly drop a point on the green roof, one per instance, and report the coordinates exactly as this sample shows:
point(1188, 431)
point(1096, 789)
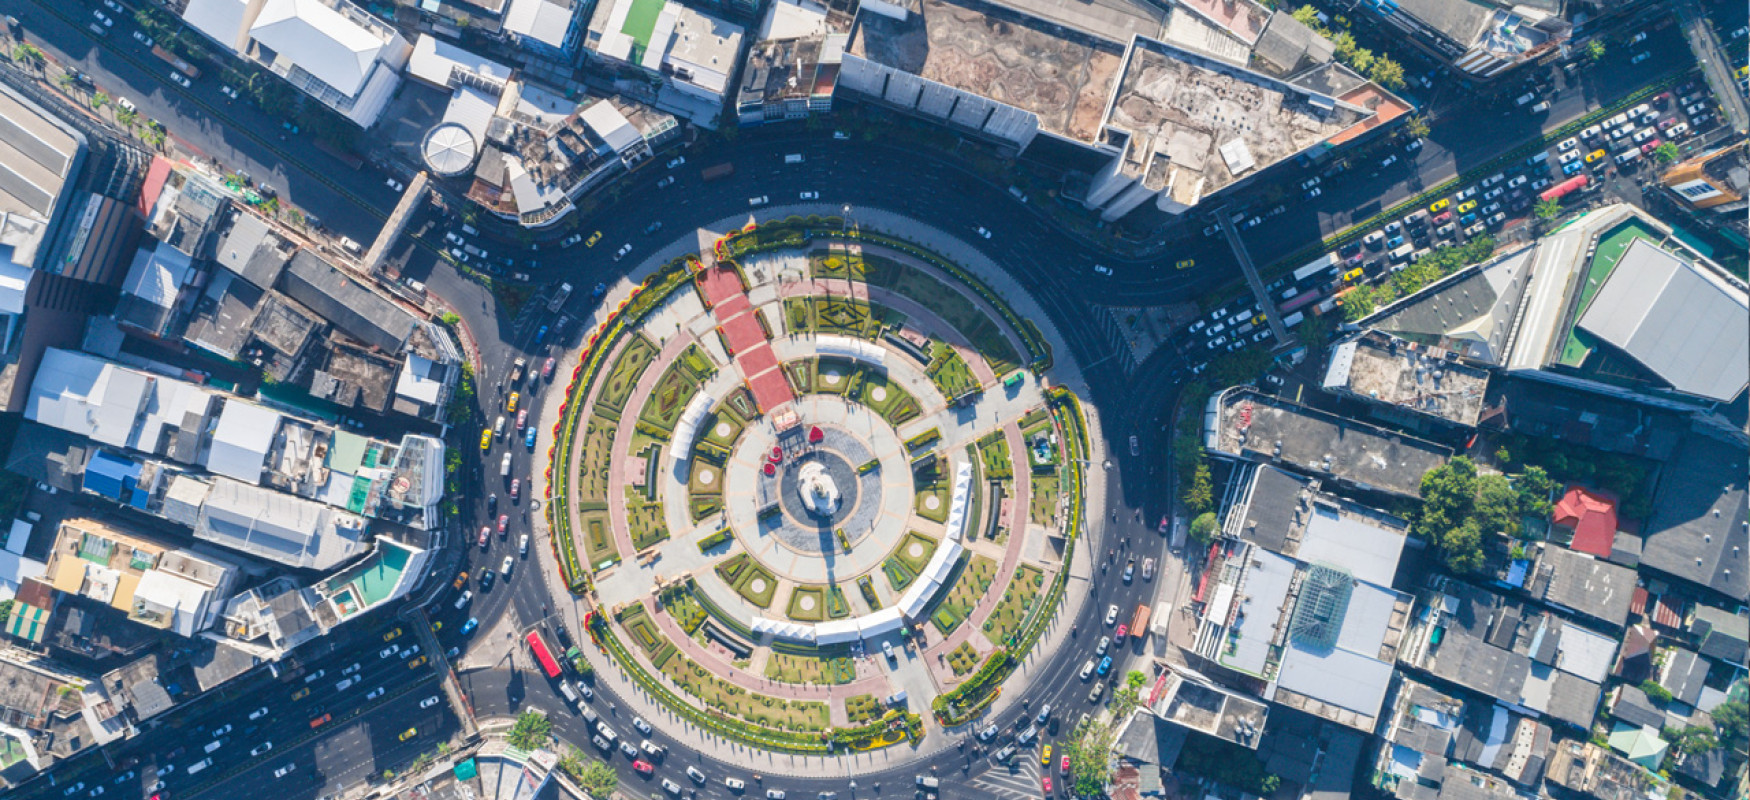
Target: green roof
point(640, 24)
point(347, 452)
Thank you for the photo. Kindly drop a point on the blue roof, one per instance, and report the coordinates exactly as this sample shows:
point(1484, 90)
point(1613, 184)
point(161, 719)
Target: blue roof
point(110, 475)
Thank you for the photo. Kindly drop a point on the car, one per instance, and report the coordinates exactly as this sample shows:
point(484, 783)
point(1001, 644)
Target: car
point(1467, 219)
point(988, 732)
point(486, 578)
point(417, 663)
point(1474, 230)
point(1310, 183)
point(374, 693)
point(1524, 98)
point(1111, 614)
point(395, 184)
point(485, 536)
point(1389, 160)
point(1105, 644)
point(1118, 635)
point(1087, 669)
point(529, 435)
point(571, 240)
point(1643, 135)
point(1494, 179)
point(1639, 57)
point(1649, 147)
point(320, 721)
point(485, 438)
point(1105, 666)
point(301, 694)
point(621, 253)
point(676, 161)
point(1466, 206)
point(593, 238)
point(1213, 343)
point(503, 523)
point(1129, 569)
point(516, 486)
point(258, 713)
point(429, 702)
point(260, 748)
point(74, 788)
point(1442, 218)
point(1045, 755)
point(1466, 193)
point(1314, 193)
point(1046, 783)
point(1569, 157)
point(1103, 270)
point(697, 776)
point(463, 600)
point(1518, 181)
point(345, 685)
point(1571, 168)
point(505, 566)
point(809, 196)
point(1568, 144)
point(1494, 193)
point(643, 767)
point(757, 201)
point(1490, 208)
point(103, 18)
point(283, 771)
point(1592, 132)
point(410, 732)
point(1439, 205)
point(523, 547)
point(1638, 38)
point(1622, 131)
point(142, 38)
point(1148, 564)
point(1063, 768)
point(1595, 156)
point(1094, 693)
point(350, 670)
point(650, 229)
point(1497, 219)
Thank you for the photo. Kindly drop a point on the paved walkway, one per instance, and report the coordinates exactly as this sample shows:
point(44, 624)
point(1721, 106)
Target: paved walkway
point(617, 481)
point(737, 322)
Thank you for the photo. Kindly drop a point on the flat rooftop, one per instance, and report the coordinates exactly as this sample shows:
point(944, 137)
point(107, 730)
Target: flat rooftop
point(1198, 124)
point(1243, 423)
point(1064, 77)
point(1427, 380)
point(38, 154)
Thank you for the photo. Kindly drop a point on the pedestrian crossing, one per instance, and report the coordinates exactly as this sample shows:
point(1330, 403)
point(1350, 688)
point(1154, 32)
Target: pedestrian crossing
point(1017, 780)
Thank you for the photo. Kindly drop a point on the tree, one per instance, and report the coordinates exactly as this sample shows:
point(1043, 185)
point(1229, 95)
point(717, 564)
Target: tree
point(1203, 527)
point(1090, 758)
point(1361, 59)
point(1534, 487)
point(127, 117)
point(64, 80)
point(1344, 45)
point(1732, 719)
point(1307, 15)
point(1387, 73)
point(1496, 506)
point(1594, 50)
point(1462, 547)
point(1654, 691)
point(530, 731)
point(99, 100)
point(593, 776)
point(1417, 127)
point(1200, 495)
point(5, 611)
point(1692, 740)
point(1667, 153)
point(29, 55)
point(1548, 209)
point(1449, 517)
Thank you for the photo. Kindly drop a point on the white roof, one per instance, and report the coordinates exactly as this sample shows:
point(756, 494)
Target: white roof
point(280, 527)
point(14, 569)
point(688, 427)
point(703, 44)
point(168, 404)
point(854, 349)
point(14, 284)
point(241, 440)
point(320, 40)
point(472, 109)
point(19, 537)
point(221, 20)
point(793, 19)
point(1339, 677)
point(157, 275)
point(1678, 320)
point(1368, 551)
point(539, 20)
point(173, 593)
point(415, 381)
point(1585, 652)
point(434, 60)
point(86, 395)
point(449, 149)
point(607, 122)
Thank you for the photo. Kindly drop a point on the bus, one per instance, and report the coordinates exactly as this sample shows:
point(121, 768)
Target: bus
point(1139, 622)
point(1321, 264)
point(548, 665)
point(1299, 301)
point(1569, 185)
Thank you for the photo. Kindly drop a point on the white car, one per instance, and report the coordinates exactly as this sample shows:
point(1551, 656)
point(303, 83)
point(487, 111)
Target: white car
point(756, 202)
point(388, 651)
point(984, 233)
point(810, 195)
point(565, 242)
point(281, 772)
point(1568, 144)
point(1105, 643)
point(221, 731)
point(142, 38)
point(345, 685)
point(179, 79)
point(676, 161)
point(103, 18)
point(1111, 615)
point(350, 670)
point(1103, 270)
point(642, 726)
point(261, 748)
point(258, 713)
point(523, 549)
point(126, 103)
point(1087, 669)
point(624, 249)
point(429, 702)
point(508, 561)
point(374, 693)
point(395, 184)
point(1569, 157)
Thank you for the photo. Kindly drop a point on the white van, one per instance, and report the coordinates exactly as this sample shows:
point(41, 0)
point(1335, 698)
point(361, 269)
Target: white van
point(570, 693)
point(793, 158)
point(214, 745)
point(498, 428)
point(199, 765)
point(504, 466)
point(1627, 156)
point(351, 246)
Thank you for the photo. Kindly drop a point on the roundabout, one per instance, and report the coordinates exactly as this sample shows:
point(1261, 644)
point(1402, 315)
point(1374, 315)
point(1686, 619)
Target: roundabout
point(818, 489)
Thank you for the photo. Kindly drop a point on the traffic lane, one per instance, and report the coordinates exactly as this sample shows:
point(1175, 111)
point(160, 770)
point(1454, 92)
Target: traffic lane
point(237, 136)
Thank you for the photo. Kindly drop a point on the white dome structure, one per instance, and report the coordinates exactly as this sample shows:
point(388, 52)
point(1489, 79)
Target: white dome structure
point(449, 149)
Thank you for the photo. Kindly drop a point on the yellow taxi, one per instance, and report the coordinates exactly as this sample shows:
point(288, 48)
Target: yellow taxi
point(1351, 275)
point(593, 238)
point(1045, 756)
point(1439, 206)
point(390, 636)
point(301, 693)
point(485, 438)
point(1186, 264)
point(1466, 206)
point(510, 405)
point(409, 733)
point(416, 663)
point(1595, 155)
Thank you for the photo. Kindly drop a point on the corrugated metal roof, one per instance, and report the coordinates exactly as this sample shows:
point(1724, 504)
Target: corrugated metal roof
point(241, 440)
point(320, 40)
point(1688, 327)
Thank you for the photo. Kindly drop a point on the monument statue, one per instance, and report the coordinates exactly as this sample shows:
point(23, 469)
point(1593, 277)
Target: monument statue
point(820, 494)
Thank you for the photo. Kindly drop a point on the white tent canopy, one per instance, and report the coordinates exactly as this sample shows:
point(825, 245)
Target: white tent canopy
point(854, 349)
point(688, 426)
point(960, 501)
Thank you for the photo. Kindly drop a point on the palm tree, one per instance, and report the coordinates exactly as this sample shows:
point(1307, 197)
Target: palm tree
point(28, 53)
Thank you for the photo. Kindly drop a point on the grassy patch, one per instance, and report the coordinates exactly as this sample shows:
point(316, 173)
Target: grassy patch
point(843, 316)
point(993, 451)
point(642, 629)
point(931, 486)
point(748, 579)
point(915, 550)
point(898, 575)
point(786, 668)
point(623, 378)
point(800, 374)
point(684, 608)
point(837, 607)
point(798, 315)
point(1024, 587)
point(723, 428)
point(704, 489)
point(807, 604)
point(833, 376)
point(679, 382)
point(715, 693)
point(950, 373)
point(863, 709)
point(715, 539)
point(1042, 500)
point(866, 587)
point(598, 541)
point(947, 303)
point(964, 659)
point(644, 520)
point(592, 473)
point(836, 264)
point(975, 579)
point(887, 399)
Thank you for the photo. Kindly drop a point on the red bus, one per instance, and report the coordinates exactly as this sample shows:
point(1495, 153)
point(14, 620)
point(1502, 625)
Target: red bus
point(1298, 301)
point(1553, 192)
point(548, 665)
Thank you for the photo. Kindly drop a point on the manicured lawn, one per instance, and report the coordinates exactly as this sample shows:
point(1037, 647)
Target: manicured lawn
point(993, 451)
point(592, 472)
point(704, 489)
point(843, 316)
point(800, 374)
point(836, 264)
point(644, 520)
point(1042, 500)
point(898, 575)
point(833, 375)
point(679, 382)
point(642, 629)
point(974, 581)
point(598, 543)
point(801, 715)
point(863, 709)
point(1023, 589)
point(798, 315)
point(947, 303)
point(684, 608)
point(915, 550)
point(786, 668)
point(617, 386)
point(807, 604)
point(887, 399)
point(837, 607)
point(964, 659)
point(937, 488)
point(748, 579)
point(949, 371)
point(723, 428)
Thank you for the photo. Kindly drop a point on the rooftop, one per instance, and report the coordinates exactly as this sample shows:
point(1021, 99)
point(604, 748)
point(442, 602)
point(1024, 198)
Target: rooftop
point(1470, 312)
point(1244, 423)
point(1187, 699)
point(1062, 76)
point(1426, 380)
point(1288, 514)
point(363, 314)
point(250, 249)
point(38, 156)
point(338, 44)
point(1699, 517)
point(279, 527)
point(1584, 584)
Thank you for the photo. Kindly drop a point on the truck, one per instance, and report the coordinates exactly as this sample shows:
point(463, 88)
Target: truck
point(176, 61)
point(559, 297)
point(516, 371)
point(1139, 622)
point(723, 170)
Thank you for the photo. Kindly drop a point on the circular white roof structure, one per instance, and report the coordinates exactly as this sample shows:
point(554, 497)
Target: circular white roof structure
point(449, 149)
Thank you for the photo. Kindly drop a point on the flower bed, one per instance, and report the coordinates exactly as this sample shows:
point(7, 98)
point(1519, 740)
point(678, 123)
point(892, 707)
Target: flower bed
point(715, 539)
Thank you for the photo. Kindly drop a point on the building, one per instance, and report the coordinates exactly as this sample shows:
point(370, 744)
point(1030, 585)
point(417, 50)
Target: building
point(793, 63)
point(1696, 531)
point(1189, 700)
point(1425, 728)
point(1151, 105)
point(1469, 312)
point(1718, 180)
point(41, 158)
point(1411, 383)
point(1532, 661)
point(1593, 771)
point(1590, 517)
point(692, 54)
point(1243, 424)
point(1483, 39)
point(1302, 598)
point(551, 28)
point(331, 50)
point(1582, 584)
point(1719, 634)
point(152, 581)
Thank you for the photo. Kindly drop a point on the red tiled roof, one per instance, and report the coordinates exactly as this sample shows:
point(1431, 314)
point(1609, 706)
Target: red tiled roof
point(1592, 516)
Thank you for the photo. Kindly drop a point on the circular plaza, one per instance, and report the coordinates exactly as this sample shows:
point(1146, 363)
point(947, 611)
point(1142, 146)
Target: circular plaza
point(816, 487)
